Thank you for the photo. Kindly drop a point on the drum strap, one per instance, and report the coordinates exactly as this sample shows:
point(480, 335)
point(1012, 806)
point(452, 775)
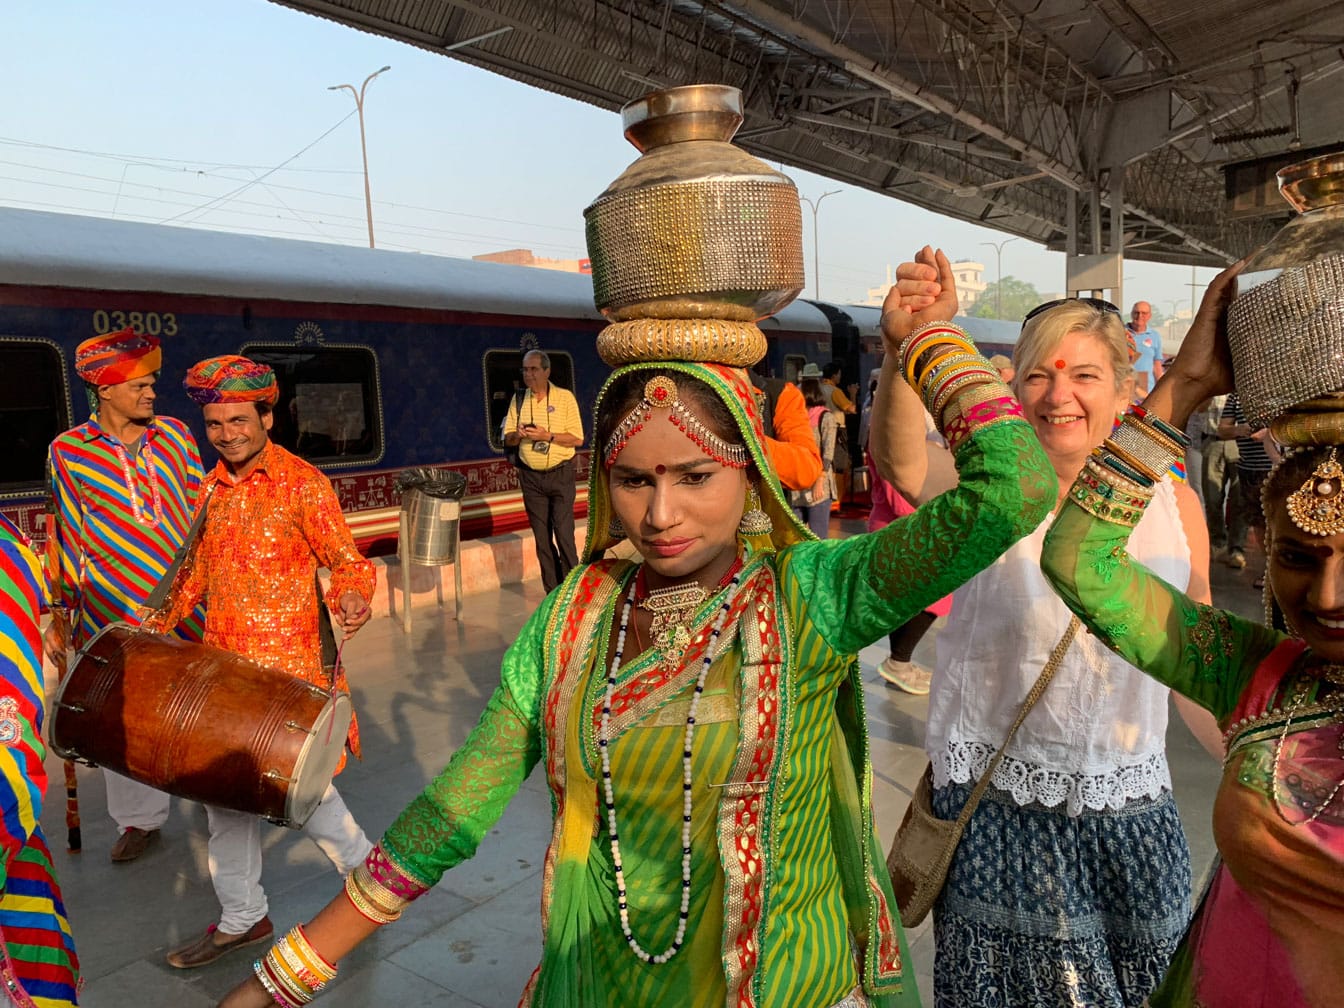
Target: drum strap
point(331, 654)
point(160, 593)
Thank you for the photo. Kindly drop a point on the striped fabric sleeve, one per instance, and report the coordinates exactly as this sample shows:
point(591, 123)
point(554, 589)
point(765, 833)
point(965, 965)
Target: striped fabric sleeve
point(65, 533)
point(22, 775)
point(40, 966)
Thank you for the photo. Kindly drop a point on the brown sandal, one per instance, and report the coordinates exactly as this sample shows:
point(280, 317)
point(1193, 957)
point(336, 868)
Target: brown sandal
point(205, 950)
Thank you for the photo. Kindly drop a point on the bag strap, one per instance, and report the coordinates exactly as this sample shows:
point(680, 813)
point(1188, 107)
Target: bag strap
point(160, 593)
point(1042, 681)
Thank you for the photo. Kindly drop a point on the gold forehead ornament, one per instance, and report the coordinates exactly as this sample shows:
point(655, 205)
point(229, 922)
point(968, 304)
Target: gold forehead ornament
point(661, 392)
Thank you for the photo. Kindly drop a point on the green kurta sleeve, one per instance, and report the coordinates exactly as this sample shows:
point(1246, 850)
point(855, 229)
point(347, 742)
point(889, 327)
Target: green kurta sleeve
point(861, 588)
point(1202, 652)
point(444, 824)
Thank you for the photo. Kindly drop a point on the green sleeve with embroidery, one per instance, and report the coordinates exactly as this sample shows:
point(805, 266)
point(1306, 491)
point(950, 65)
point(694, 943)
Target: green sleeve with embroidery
point(1204, 653)
point(860, 589)
point(445, 823)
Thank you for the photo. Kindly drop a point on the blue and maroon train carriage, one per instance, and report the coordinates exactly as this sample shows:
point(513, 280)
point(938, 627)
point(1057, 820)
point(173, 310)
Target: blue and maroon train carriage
point(386, 359)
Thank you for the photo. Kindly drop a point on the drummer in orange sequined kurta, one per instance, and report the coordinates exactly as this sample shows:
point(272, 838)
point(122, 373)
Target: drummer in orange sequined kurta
point(271, 521)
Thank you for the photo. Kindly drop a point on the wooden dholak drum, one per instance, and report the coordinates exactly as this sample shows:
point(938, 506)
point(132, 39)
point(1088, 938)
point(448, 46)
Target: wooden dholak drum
point(200, 723)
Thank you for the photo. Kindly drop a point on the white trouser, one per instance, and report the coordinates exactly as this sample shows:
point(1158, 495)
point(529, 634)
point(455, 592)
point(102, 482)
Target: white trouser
point(132, 804)
point(129, 802)
point(235, 855)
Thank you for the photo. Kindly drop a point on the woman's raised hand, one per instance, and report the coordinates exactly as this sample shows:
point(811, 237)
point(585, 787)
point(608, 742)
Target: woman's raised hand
point(925, 291)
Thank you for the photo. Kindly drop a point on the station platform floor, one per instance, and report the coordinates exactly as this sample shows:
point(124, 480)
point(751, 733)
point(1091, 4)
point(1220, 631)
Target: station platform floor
point(475, 939)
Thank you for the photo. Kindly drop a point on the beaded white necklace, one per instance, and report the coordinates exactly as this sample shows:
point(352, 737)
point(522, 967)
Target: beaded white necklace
point(128, 474)
point(602, 739)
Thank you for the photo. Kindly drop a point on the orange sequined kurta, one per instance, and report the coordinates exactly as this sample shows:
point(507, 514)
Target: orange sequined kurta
point(256, 561)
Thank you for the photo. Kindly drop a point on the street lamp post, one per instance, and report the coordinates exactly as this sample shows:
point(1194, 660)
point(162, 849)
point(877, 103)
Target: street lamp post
point(998, 269)
point(816, 262)
point(363, 148)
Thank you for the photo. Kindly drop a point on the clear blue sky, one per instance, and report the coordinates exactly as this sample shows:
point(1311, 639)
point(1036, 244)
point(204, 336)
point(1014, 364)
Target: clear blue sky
point(160, 110)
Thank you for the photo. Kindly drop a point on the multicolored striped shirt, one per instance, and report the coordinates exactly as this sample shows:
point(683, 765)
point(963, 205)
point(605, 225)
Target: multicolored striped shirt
point(40, 968)
point(102, 561)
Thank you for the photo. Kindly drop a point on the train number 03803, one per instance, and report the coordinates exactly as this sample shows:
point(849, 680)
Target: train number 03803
point(152, 323)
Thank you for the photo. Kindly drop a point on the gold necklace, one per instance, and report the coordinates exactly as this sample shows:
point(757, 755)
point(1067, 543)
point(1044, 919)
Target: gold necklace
point(672, 609)
point(1278, 754)
point(1332, 674)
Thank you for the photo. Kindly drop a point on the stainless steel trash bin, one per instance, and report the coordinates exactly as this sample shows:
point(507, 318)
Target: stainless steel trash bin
point(431, 528)
point(431, 512)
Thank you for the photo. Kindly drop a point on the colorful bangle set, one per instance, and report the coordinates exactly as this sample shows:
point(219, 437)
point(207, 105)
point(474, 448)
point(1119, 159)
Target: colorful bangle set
point(366, 897)
point(925, 337)
point(1118, 480)
point(379, 890)
point(1105, 494)
point(293, 972)
point(940, 361)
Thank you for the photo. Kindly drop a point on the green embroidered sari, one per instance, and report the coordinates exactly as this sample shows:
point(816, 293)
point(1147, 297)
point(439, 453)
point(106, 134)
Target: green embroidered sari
point(791, 906)
point(1270, 929)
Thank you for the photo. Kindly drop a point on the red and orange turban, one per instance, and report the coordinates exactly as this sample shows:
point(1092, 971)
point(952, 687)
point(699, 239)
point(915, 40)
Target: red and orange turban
point(117, 357)
point(231, 379)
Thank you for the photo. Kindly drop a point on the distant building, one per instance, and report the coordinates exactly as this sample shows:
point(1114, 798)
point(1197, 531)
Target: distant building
point(969, 275)
point(525, 257)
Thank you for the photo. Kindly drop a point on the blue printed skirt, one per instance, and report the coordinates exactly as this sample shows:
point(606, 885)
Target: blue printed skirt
point(1046, 909)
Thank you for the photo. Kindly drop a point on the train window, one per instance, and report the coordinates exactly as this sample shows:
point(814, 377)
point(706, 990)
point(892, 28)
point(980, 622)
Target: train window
point(502, 373)
point(34, 408)
point(793, 366)
point(330, 409)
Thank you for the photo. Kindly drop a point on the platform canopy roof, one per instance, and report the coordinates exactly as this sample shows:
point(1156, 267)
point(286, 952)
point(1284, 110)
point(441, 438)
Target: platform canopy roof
point(1033, 117)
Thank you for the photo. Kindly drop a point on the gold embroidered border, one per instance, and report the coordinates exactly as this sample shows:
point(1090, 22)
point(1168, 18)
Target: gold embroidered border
point(572, 635)
point(741, 838)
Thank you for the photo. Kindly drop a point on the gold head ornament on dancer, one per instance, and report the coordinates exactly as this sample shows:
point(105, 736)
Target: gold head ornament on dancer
point(691, 246)
point(1286, 326)
point(1286, 335)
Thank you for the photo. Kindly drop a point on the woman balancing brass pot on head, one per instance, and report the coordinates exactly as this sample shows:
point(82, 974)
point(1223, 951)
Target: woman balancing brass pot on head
point(1270, 928)
point(699, 710)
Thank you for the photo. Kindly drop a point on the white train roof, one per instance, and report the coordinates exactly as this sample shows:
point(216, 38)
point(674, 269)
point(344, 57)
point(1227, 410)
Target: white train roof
point(93, 253)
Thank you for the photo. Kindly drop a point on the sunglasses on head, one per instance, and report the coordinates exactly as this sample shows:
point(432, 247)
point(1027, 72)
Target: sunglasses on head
point(1097, 303)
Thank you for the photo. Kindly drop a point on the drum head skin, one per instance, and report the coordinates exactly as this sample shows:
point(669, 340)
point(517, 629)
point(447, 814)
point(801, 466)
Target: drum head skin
point(317, 761)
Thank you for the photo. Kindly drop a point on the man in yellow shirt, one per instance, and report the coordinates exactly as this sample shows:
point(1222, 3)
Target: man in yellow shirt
point(546, 425)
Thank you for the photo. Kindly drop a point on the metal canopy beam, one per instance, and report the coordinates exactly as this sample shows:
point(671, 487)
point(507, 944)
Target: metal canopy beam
point(999, 112)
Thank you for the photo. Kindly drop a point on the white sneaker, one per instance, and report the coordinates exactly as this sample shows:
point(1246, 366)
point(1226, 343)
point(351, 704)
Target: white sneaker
point(913, 679)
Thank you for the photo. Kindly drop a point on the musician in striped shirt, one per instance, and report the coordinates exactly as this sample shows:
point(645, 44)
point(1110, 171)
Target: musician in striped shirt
point(124, 487)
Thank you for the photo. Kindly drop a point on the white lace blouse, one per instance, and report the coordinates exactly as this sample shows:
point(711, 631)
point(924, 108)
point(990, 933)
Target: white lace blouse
point(1097, 737)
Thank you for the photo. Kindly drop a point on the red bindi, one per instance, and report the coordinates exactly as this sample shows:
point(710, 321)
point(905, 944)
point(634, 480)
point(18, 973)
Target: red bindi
point(660, 469)
point(1061, 364)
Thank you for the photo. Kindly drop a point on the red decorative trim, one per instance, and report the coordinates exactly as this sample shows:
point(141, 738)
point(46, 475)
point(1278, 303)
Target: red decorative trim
point(960, 427)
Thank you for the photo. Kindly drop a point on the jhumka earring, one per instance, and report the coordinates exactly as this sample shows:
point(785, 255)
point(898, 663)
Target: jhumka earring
point(1317, 506)
point(615, 529)
point(755, 522)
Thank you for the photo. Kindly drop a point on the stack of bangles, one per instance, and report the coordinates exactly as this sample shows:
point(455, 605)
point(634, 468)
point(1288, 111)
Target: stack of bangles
point(1117, 482)
point(293, 972)
point(940, 361)
point(376, 891)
